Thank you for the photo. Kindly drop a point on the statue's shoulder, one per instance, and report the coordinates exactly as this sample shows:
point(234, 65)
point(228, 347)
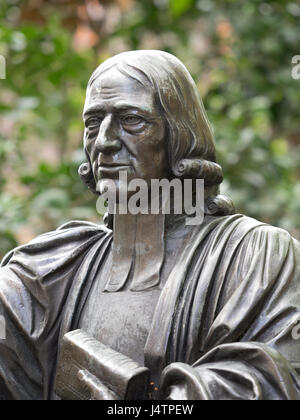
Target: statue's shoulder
point(65, 240)
point(262, 228)
point(80, 224)
point(239, 228)
point(261, 234)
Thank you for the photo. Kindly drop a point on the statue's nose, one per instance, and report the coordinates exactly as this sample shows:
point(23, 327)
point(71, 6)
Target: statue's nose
point(107, 141)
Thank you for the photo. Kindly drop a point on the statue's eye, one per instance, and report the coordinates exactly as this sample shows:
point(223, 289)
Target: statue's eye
point(132, 120)
point(93, 123)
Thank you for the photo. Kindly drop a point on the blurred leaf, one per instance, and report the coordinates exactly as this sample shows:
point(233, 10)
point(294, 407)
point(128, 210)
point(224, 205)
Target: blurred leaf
point(178, 7)
point(279, 147)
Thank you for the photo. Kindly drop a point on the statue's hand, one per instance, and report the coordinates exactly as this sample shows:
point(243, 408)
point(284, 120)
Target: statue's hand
point(176, 392)
point(178, 382)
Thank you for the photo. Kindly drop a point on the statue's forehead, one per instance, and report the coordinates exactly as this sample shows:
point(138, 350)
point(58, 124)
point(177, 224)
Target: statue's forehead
point(115, 86)
point(114, 80)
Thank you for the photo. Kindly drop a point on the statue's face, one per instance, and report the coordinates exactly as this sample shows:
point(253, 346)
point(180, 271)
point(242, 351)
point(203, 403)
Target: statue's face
point(124, 130)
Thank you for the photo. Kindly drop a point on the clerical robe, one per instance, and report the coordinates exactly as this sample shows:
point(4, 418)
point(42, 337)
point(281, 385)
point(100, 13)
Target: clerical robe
point(224, 324)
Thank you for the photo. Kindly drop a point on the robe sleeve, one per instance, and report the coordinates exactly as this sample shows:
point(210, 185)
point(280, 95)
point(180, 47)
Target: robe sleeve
point(253, 344)
point(35, 280)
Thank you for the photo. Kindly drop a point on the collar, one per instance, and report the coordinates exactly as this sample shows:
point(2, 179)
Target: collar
point(138, 251)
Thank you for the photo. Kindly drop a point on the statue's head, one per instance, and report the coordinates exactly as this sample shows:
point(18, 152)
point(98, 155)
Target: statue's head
point(143, 114)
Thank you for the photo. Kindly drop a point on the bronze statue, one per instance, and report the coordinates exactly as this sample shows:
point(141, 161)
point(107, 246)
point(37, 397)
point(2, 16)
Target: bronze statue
point(205, 312)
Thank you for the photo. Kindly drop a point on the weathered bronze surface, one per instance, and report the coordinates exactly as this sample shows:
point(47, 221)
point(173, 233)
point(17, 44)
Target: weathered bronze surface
point(89, 370)
point(209, 311)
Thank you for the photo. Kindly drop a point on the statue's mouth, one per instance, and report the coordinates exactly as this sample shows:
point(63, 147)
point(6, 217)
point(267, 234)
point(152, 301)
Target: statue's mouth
point(113, 168)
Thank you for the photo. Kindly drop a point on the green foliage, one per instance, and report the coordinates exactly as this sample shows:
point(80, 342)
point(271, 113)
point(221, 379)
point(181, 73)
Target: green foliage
point(240, 56)
point(179, 7)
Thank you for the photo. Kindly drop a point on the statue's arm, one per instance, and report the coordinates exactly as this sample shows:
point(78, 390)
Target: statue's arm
point(35, 280)
point(20, 369)
point(238, 371)
point(259, 355)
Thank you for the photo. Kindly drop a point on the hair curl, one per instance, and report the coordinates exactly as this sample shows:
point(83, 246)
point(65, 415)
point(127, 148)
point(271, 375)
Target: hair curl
point(191, 146)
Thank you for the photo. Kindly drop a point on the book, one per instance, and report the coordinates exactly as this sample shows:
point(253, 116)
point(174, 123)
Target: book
point(90, 370)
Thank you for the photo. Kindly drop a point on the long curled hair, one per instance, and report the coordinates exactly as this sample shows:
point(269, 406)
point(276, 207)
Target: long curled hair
point(191, 146)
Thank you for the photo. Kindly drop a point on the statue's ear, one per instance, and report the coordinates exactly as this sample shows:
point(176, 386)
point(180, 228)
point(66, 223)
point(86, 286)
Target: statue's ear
point(86, 174)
